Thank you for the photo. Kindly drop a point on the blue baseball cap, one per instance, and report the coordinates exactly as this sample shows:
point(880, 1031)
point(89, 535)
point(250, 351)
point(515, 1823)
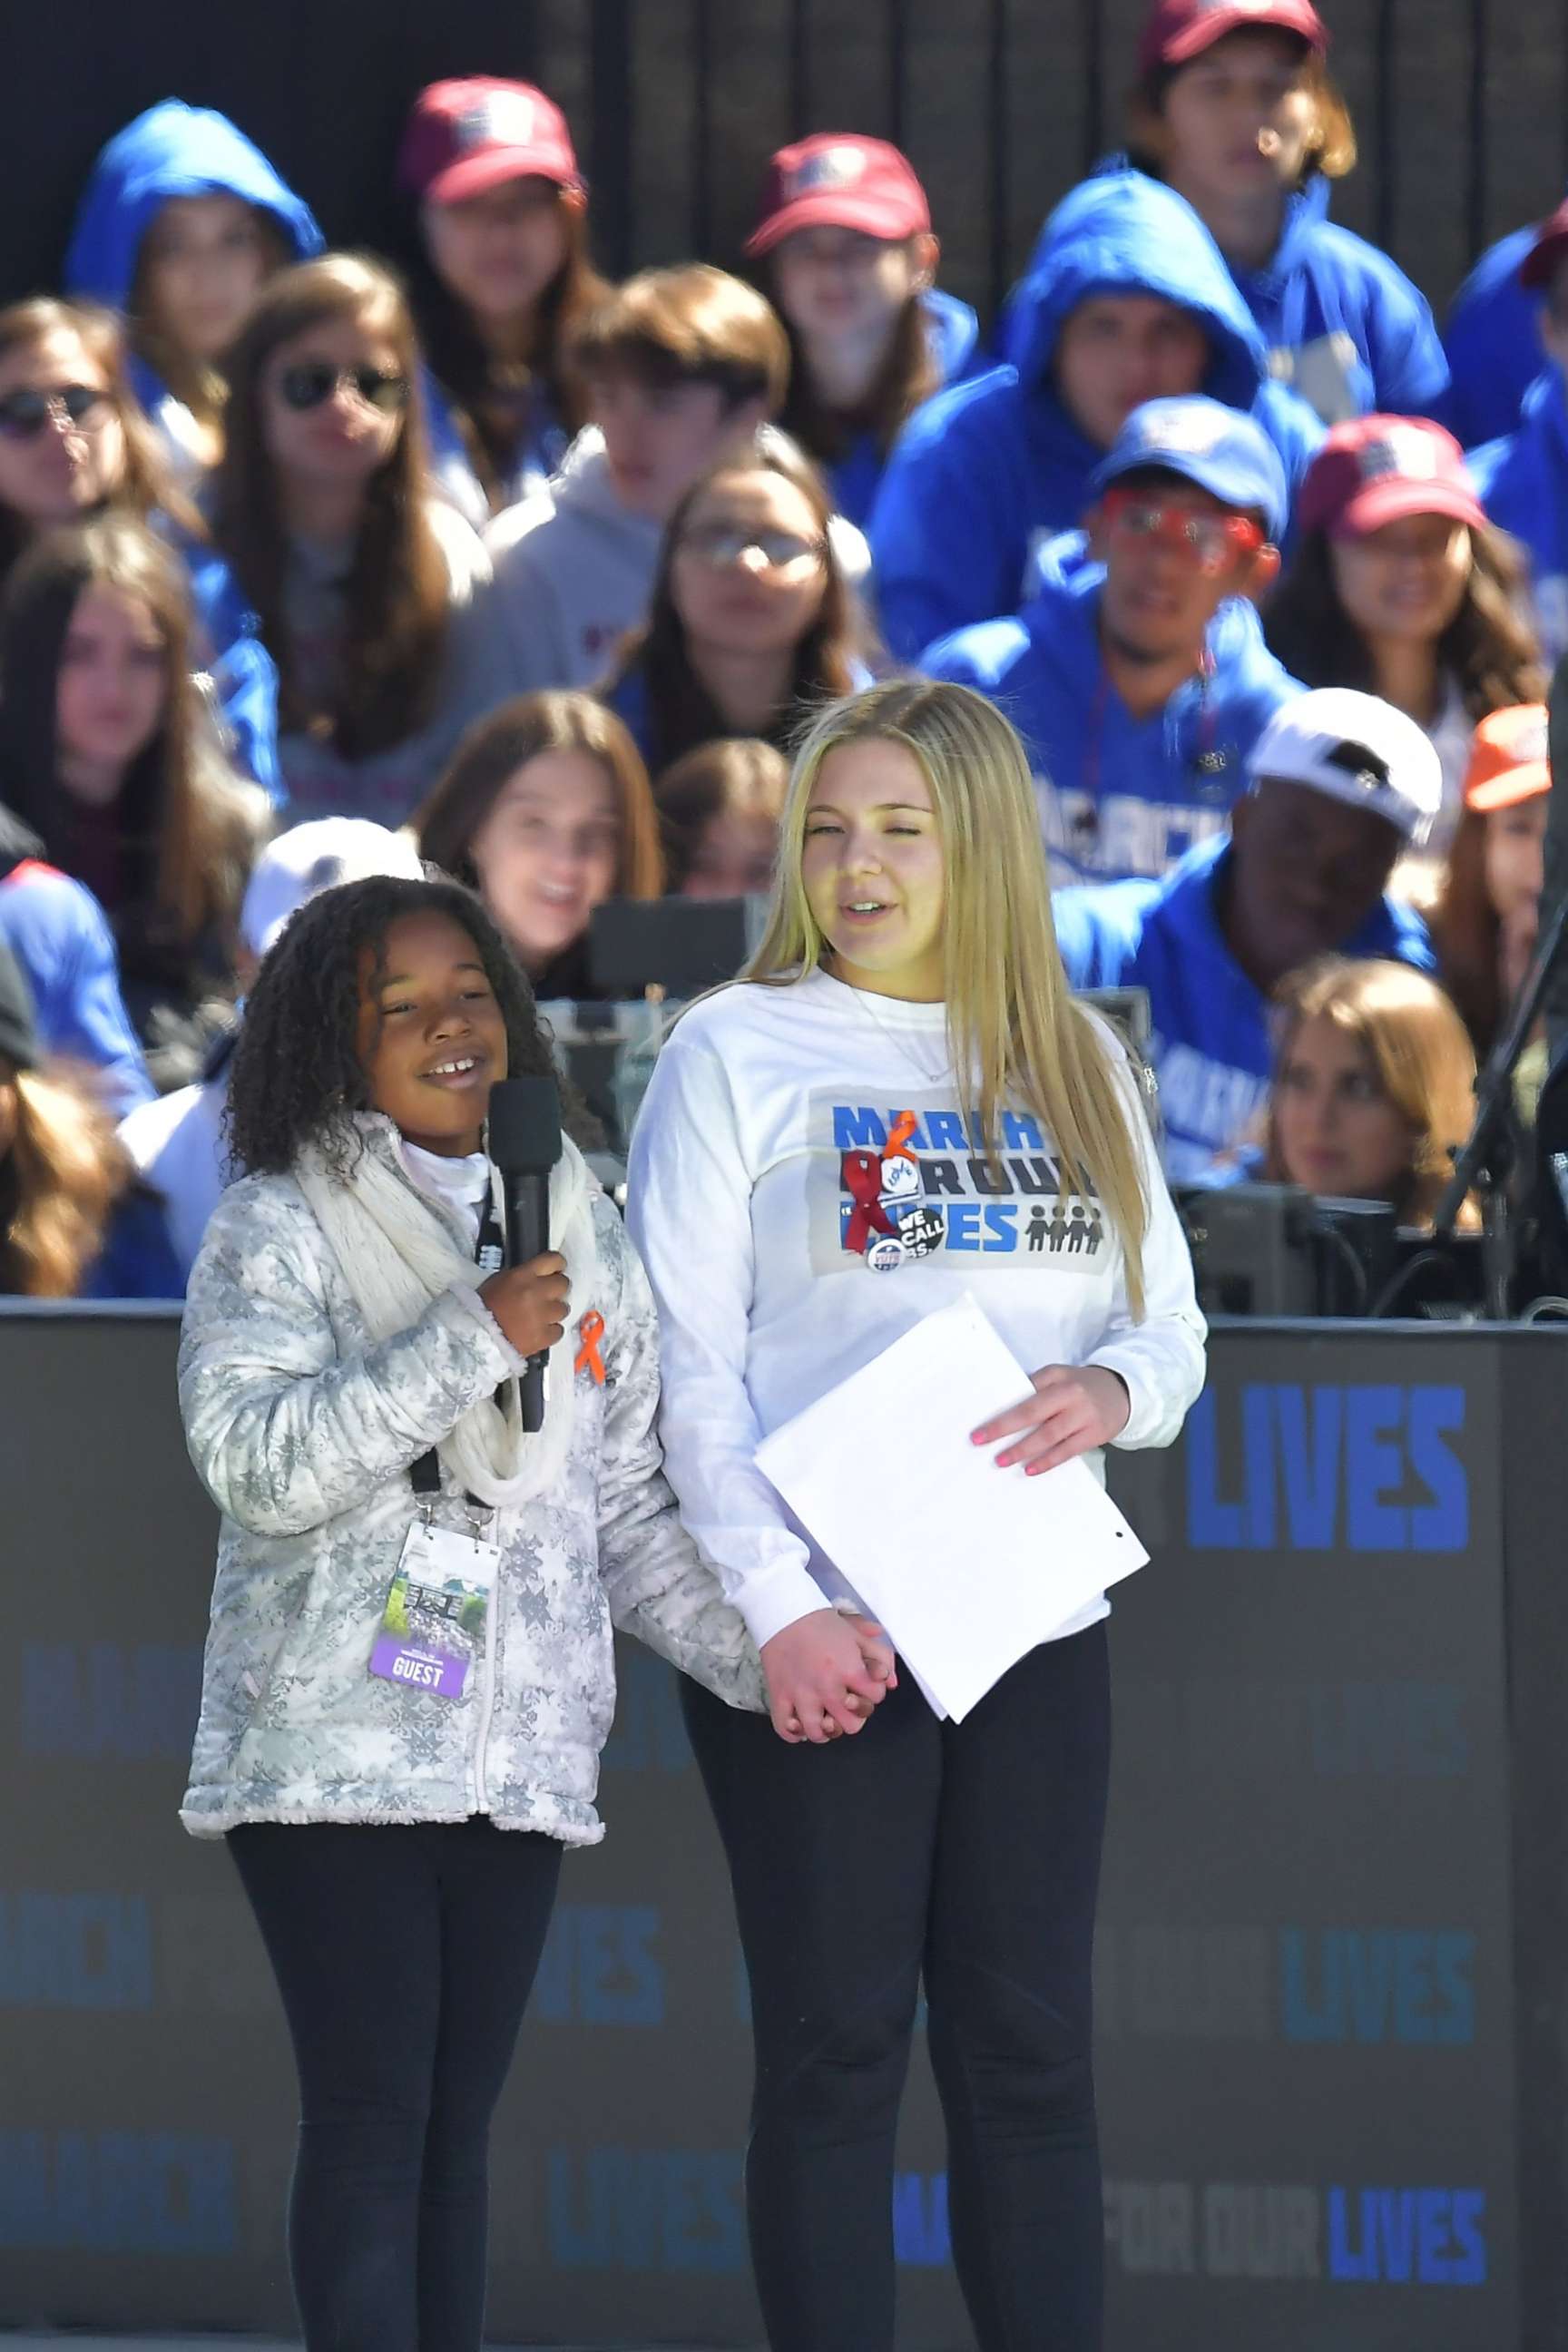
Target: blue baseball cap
point(1219, 448)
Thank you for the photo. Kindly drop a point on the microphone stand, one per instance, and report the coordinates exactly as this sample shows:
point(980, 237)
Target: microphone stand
point(1485, 1160)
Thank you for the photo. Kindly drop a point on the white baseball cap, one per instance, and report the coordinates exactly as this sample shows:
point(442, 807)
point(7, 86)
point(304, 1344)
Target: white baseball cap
point(1356, 749)
point(312, 857)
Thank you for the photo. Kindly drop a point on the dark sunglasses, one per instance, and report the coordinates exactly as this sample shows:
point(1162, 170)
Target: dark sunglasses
point(24, 414)
point(313, 382)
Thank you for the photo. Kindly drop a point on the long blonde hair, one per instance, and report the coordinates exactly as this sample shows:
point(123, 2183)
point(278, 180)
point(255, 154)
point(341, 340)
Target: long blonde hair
point(1418, 1047)
point(1016, 1036)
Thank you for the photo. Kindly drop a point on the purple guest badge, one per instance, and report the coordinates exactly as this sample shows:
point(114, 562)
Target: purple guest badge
point(435, 1621)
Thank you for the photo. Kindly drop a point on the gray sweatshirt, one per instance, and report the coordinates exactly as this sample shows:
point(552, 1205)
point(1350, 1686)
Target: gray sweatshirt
point(574, 572)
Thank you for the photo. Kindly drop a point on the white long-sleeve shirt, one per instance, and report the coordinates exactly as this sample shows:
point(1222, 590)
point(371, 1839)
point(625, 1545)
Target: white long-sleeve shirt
point(762, 1136)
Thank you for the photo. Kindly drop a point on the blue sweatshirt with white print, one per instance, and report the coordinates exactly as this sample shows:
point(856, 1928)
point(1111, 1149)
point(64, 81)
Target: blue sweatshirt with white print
point(1341, 322)
point(1210, 1046)
point(1119, 796)
point(1492, 338)
point(1523, 480)
point(986, 471)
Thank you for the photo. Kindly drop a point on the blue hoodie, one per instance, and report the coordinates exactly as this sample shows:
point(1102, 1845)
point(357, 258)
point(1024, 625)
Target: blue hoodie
point(986, 470)
point(1492, 337)
point(173, 149)
point(1119, 796)
point(1523, 485)
point(954, 332)
point(1341, 323)
point(1210, 1049)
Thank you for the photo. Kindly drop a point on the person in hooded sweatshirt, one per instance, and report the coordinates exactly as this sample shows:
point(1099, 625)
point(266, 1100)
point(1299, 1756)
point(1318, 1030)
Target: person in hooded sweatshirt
point(1522, 478)
point(1341, 783)
point(1492, 337)
point(1137, 675)
point(1128, 300)
point(181, 225)
point(847, 255)
point(1235, 110)
point(680, 365)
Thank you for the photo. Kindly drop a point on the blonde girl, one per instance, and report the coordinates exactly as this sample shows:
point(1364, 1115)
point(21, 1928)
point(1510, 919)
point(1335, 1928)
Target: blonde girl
point(897, 1103)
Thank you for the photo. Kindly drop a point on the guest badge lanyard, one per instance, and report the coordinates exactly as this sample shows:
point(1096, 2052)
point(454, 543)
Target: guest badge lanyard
point(437, 1609)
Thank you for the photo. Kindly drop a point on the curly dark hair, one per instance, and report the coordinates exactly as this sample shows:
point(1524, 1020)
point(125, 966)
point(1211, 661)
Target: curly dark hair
point(297, 1063)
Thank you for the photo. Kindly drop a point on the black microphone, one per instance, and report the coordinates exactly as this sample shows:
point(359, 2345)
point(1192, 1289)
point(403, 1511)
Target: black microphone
point(525, 1143)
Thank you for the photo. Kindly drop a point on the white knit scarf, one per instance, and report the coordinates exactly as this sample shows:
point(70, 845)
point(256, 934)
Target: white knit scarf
point(397, 1254)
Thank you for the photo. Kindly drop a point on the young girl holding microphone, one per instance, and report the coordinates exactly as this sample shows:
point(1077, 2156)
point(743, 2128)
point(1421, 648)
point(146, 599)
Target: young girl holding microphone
point(409, 1673)
point(897, 1103)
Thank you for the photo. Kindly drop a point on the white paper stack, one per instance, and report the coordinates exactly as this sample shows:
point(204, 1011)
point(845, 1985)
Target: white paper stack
point(967, 1567)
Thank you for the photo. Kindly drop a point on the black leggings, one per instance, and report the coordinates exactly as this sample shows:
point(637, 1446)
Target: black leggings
point(405, 1955)
point(969, 1852)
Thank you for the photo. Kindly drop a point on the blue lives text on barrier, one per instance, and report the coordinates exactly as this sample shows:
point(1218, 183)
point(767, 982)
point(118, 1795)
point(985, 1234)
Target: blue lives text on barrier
point(117, 2192)
point(1374, 1985)
point(134, 1704)
point(1378, 2237)
point(1408, 2236)
point(75, 1951)
point(599, 1967)
point(1367, 1466)
point(679, 2210)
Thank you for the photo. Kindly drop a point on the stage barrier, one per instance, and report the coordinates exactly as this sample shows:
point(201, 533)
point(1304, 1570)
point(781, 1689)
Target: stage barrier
point(1330, 1972)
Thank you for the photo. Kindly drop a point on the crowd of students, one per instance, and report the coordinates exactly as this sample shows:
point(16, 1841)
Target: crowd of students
point(313, 566)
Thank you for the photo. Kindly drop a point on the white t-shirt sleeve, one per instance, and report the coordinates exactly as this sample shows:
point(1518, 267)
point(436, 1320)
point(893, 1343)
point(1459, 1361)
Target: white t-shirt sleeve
point(1161, 1359)
point(688, 1209)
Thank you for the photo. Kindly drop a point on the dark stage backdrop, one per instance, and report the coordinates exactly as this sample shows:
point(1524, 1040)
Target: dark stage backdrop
point(1461, 105)
point(1332, 1958)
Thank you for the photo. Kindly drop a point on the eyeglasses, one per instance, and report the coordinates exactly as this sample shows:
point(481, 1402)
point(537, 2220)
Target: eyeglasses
point(1208, 541)
point(313, 382)
point(25, 412)
point(720, 544)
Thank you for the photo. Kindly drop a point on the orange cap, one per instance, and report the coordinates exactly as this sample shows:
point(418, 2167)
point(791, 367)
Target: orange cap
point(1508, 758)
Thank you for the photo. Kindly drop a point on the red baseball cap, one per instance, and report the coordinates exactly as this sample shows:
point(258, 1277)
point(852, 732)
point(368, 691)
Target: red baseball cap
point(1508, 759)
point(1181, 29)
point(1374, 469)
point(464, 137)
point(836, 179)
point(1540, 264)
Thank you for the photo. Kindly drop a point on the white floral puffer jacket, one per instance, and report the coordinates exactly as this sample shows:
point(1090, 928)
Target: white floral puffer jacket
point(303, 1432)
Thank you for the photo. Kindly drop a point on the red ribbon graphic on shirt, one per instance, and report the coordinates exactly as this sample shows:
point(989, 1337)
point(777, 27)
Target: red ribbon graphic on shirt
point(860, 1175)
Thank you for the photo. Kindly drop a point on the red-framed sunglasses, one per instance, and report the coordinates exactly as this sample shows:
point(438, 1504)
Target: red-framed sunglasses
point(1208, 541)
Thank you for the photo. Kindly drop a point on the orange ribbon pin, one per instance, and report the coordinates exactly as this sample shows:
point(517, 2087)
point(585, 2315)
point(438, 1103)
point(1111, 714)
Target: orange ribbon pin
point(590, 1331)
